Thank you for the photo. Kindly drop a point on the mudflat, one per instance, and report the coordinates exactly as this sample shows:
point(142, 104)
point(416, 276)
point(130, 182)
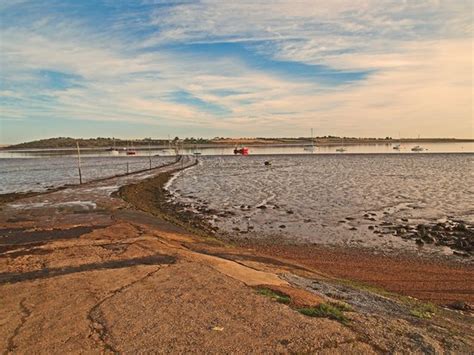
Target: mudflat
point(83, 270)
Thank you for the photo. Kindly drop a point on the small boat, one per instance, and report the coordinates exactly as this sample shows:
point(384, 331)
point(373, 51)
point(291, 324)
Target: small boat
point(417, 149)
point(398, 146)
point(131, 151)
point(312, 147)
point(241, 151)
point(113, 149)
point(341, 149)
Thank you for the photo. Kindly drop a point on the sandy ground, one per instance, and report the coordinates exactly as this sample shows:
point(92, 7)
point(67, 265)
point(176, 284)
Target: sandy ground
point(81, 271)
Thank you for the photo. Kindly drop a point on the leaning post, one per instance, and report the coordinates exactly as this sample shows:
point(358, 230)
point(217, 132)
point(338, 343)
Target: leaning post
point(79, 162)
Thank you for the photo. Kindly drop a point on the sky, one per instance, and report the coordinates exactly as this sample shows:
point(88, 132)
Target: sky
point(152, 68)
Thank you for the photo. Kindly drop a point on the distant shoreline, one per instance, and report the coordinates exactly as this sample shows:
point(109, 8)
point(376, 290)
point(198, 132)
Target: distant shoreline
point(104, 144)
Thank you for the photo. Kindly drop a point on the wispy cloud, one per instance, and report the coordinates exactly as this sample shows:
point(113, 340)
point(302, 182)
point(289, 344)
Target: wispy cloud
point(342, 67)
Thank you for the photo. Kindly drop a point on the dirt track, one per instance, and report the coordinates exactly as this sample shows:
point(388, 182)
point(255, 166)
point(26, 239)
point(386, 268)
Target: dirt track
point(82, 271)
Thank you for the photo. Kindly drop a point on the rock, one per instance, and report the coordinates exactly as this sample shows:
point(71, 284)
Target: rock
point(461, 227)
point(461, 306)
point(262, 207)
point(461, 253)
point(371, 227)
point(401, 231)
point(462, 244)
point(419, 242)
point(290, 212)
point(404, 219)
point(353, 229)
point(282, 226)
point(420, 227)
point(350, 218)
point(428, 239)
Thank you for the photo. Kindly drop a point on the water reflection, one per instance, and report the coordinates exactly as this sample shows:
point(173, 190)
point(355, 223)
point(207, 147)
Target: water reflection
point(380, 148)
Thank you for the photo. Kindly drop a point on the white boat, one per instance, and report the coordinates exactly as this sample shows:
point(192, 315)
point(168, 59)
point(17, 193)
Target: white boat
point(398, 146)
point(341, 149)
point(312, 147)
point(113, 150)
point(417, 149)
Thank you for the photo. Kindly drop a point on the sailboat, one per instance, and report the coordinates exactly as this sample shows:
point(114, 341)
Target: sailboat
point(417, 148)
point(113, 150)
point(312, 147)
point(195, 151)
point(341, 149)
point(398, 146)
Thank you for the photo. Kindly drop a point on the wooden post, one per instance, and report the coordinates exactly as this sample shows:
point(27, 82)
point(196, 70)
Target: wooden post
point(79, 162)
point(149, 154)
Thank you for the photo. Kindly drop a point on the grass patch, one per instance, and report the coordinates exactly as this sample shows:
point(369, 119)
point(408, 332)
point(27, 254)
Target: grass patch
point(274, 295)
point(326, 310)
point(424, 310)
point(342, 306)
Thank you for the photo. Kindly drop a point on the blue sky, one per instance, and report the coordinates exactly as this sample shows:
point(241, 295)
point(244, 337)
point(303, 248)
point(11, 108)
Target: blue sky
point(212, 68)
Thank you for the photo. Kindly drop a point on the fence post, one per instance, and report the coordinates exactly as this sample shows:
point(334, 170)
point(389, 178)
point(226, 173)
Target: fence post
point(149, 154)
point(79, 162)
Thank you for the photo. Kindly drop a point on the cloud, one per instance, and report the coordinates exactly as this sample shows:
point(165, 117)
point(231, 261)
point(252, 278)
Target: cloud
point(367, 68)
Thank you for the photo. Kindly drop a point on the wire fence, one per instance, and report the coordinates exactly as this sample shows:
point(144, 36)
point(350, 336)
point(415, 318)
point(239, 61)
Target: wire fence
point(38, 174)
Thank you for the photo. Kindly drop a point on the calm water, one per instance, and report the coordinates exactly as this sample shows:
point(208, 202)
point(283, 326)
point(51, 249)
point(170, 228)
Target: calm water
point(43, 172)
point(306, 197)
point(386, 148)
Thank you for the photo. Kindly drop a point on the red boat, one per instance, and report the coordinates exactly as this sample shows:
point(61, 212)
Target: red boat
point(241, 151)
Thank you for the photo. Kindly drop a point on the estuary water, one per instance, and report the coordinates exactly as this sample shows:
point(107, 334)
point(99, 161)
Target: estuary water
point(335, 199)
point(42, 172)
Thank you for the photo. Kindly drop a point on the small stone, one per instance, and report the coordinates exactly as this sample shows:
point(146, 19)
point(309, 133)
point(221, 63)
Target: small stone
point(282, 226)
point(461, 306)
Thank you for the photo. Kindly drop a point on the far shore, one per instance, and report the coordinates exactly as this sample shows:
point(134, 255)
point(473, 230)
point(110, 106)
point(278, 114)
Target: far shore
point(221, 143)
